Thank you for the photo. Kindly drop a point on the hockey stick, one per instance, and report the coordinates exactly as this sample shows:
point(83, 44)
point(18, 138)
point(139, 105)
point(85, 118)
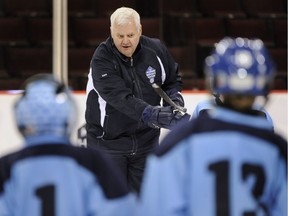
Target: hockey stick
point(165, 97)
point(151, 73)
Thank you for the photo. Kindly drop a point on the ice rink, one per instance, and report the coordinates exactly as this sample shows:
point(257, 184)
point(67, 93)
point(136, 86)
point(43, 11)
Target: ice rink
point(10, 139)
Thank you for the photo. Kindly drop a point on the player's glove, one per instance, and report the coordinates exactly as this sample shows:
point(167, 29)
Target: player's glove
point(161, 117)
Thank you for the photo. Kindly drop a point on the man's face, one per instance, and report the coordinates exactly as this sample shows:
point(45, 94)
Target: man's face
point(126, 38)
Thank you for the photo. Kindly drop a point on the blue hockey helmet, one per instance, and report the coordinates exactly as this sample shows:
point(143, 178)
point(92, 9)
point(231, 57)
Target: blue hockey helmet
point(46, 107)
point(240, 66)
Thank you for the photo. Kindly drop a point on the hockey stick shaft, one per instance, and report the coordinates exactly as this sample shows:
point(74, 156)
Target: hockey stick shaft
point(165, 97)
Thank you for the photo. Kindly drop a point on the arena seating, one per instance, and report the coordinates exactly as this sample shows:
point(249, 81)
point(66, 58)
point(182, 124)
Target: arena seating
point(221, 8)
point(81, 8)
point(26, 61)
point(90, 31)
point(265, 8)
point(13, 31)
point(250, 28)
point(27, 8)
point(189, 28)
point(78, 64)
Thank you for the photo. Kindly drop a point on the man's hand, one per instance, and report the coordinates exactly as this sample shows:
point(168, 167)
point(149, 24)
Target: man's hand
point(162, 117)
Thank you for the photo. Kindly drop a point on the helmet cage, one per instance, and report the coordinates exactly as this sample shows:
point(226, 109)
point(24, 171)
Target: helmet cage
point(46, 107)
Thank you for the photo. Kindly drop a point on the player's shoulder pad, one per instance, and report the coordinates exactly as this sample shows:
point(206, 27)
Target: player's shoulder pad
point(206, 124)
point(97, 162)
point(180, 132)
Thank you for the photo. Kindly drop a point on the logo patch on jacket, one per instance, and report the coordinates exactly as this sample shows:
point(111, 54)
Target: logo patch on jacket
point(151, 73)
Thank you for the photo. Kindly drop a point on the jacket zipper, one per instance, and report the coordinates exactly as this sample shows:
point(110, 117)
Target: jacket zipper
point(136, 85)
point(134, 147)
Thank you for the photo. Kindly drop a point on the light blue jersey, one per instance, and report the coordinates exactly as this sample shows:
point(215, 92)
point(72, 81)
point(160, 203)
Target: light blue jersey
point(209, 104)
point(61, 180)
point(230, 166)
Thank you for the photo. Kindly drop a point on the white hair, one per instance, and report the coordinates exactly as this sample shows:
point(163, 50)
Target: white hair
point(123, 15)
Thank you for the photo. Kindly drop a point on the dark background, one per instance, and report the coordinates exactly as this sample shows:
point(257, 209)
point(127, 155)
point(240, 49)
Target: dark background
point(189, 28)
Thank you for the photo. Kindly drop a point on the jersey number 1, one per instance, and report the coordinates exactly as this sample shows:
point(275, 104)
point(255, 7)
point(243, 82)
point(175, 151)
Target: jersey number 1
point(46, 195)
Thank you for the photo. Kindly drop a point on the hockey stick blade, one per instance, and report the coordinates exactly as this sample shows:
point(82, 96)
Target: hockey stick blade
point(165, 97)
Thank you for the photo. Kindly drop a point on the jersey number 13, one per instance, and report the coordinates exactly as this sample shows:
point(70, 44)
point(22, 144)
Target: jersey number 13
point(221, 172)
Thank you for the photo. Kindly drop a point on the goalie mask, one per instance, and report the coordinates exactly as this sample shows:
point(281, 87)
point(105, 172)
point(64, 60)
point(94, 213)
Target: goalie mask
point(45, 108)
point(240, 66)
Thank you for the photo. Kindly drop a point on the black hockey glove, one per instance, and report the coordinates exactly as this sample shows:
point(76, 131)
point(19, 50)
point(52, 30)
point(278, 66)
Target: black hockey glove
point(161, 117)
